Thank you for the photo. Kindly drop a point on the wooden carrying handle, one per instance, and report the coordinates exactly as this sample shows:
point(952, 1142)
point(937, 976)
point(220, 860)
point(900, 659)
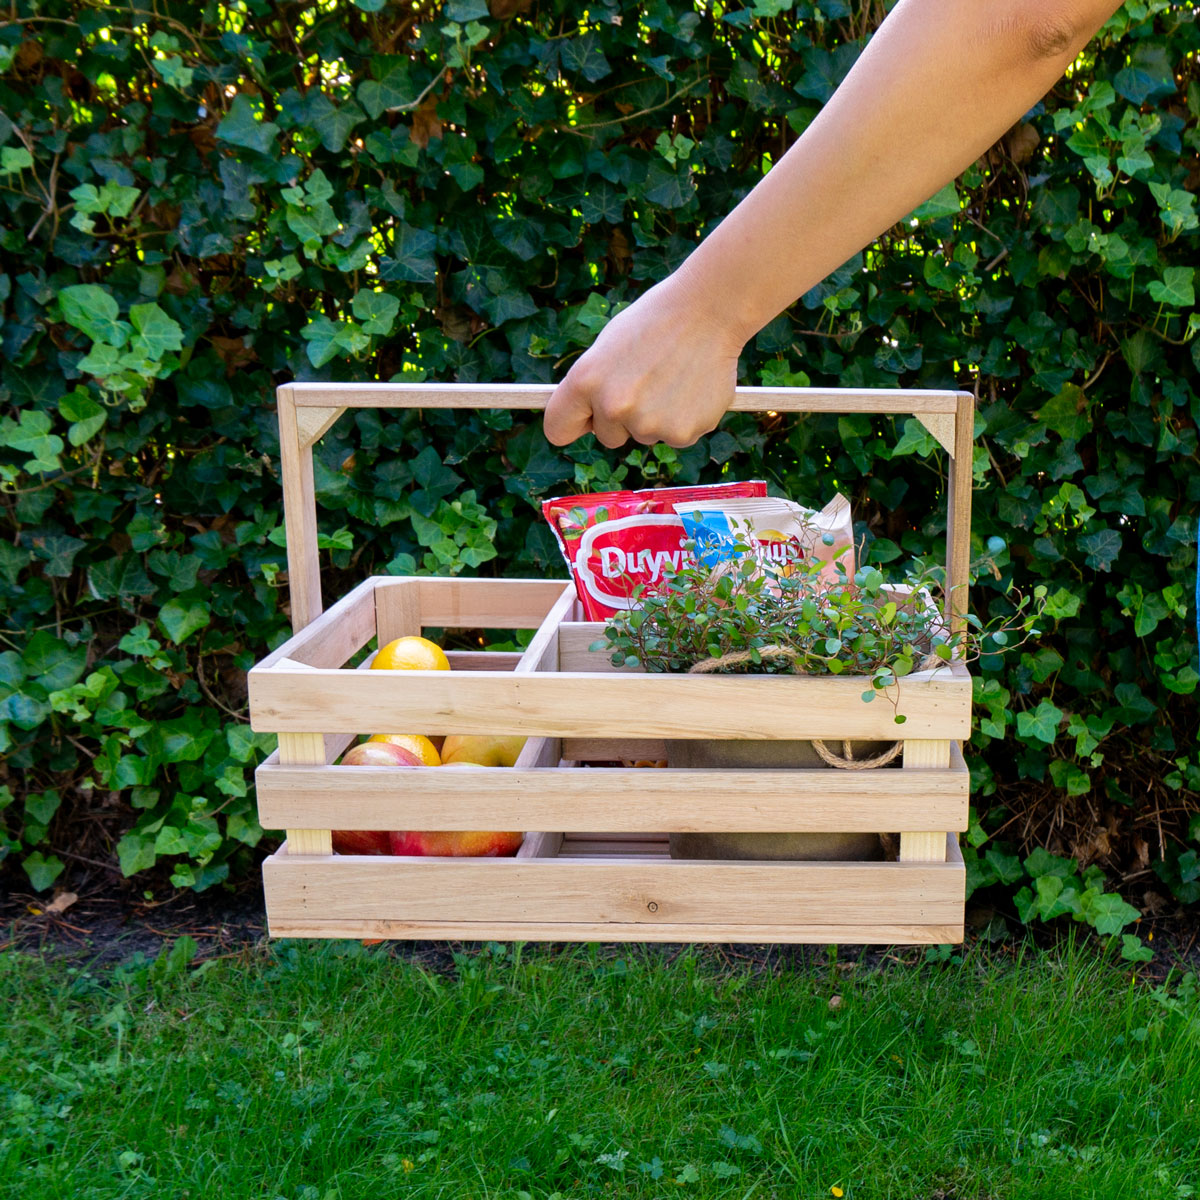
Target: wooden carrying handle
point(307, 410)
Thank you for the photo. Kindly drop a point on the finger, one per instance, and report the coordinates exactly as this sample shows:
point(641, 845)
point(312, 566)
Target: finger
point(568, 414)
point(609, 432)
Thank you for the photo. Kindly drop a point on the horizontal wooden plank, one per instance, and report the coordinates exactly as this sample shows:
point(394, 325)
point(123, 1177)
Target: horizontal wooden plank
point(616, 931)
point(482, 603)
point(621, 749)
point(575, 704)
point(483, 660)
point(606, 799)
point(333, 637)
point(534, 397)
point(602, 890)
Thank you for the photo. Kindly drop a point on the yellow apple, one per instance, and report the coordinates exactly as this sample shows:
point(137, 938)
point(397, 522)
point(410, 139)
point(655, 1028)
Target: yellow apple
point(486, 750)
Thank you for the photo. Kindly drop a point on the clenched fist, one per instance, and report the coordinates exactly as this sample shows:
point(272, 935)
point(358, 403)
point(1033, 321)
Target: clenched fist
point(662, 370)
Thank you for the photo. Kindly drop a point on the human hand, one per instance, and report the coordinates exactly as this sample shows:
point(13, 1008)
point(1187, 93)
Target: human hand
point(662, 370)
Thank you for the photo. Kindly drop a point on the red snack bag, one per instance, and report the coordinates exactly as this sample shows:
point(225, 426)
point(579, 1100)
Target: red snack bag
point(615, 541)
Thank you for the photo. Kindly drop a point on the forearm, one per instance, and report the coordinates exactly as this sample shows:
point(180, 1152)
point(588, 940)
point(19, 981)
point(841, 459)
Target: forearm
point(939, 83)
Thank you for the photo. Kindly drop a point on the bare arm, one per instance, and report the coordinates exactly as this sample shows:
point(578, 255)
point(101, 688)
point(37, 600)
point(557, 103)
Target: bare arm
point(950, 76)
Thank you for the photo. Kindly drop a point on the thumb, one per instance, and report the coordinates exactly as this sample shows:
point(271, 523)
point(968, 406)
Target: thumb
point(568, 414)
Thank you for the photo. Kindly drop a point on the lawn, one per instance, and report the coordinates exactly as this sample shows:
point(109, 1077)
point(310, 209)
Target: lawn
point(337, 1071)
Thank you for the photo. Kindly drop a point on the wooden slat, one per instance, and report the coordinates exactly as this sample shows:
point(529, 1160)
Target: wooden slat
point(621, 749)
point(334, 637)
point(924, 845)
point(542, 652)
point(485, 603)
point(600, 800)
point(305, 748)
point(483, 660)
point(960, 483)
point(662, 839)
point(397, 609)
point(600, 705)
point(615, 931)
point(620, 850)
point(299, 514)
point(534, 397)
point(599, 890)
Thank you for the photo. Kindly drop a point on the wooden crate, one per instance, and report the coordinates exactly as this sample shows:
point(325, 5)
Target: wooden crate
point(595, 866)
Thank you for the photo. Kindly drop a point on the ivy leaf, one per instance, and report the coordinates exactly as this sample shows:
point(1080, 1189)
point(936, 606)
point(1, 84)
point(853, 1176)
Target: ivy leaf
point(394, 89)
point(583, 55)
point(31, 435)
point(1176, 207)
point(157, 333)
point(945, 203)
point(602, 202)
point(328, 339)
point(57, 552)
point(1106, 912)
point(180, 618)
point(1102, 548)
point(121, 577)
point(412, 256)
point(333, 122)
point(1067, 413)
point(135, 852)
point(1149, 75)
point(85, 415)
point(1175, 289)
point(93, 311)
point(1042, 723)
point(376, 310)
point(42, 870)
point(53, 663)
point(1134, 950)
point(14, 159)
point(242, 127)
point(667, 187)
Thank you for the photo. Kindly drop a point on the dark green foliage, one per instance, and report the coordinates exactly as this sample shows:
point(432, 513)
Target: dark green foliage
point(198, 203)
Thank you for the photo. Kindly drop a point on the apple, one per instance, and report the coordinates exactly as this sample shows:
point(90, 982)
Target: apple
point(371, 754)
point(456, 844)
point(485, 750)
point(379, 754)
point(361, 841)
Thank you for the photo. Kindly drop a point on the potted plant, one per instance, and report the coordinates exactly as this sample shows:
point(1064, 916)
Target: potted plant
point(750, 616)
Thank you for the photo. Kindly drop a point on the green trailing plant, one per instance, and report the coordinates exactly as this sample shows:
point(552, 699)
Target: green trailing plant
point(744, 615)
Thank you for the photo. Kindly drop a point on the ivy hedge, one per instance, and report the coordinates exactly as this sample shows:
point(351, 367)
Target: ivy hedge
point(199, 201)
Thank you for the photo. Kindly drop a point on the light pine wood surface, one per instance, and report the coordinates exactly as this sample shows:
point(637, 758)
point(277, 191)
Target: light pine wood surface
point(620, 887)
point(613, 798)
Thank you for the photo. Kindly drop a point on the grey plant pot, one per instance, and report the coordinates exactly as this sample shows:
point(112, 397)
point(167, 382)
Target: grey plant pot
point(771, 847)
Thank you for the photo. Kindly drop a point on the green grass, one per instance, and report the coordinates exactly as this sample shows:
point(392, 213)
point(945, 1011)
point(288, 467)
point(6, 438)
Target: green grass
point(332, 1072)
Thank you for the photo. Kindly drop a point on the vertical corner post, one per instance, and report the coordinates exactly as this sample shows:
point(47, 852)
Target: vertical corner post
point(299, 514)
point(958, 513)
point(305, 749)
point(925, 846)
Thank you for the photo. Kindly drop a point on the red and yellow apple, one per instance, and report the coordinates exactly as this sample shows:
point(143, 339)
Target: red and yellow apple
point(456, 844)
point(484, 750)
point(371, 754)
point(380, 754)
